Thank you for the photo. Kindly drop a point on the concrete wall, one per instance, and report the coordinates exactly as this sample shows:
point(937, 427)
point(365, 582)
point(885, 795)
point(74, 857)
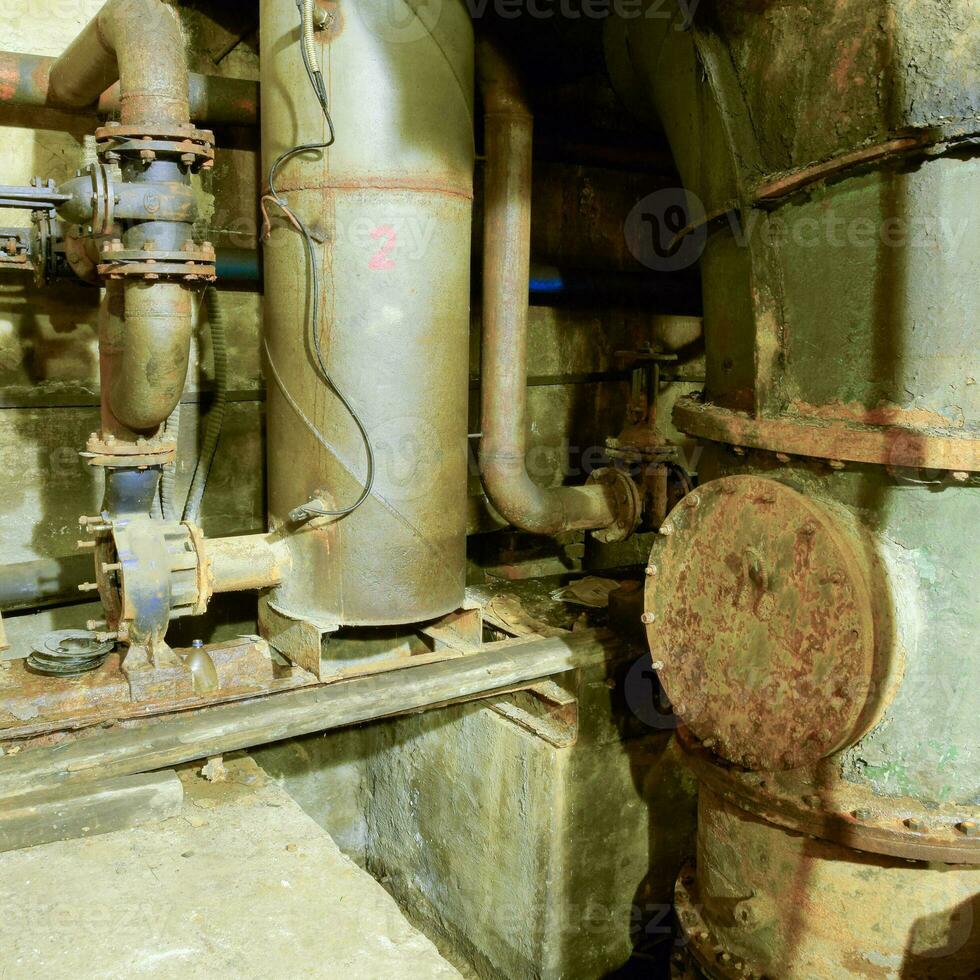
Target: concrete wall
point(522, 858)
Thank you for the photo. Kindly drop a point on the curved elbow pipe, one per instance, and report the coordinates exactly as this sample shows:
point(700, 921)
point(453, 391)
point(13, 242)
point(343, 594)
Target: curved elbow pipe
point(137, 42)
point(506, 270)
point(145, 353)
point(146, 336)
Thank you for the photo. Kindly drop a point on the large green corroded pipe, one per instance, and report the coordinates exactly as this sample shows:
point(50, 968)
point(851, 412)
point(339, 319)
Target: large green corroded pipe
point(853, 303)
point(390, 206)
point(832, 147)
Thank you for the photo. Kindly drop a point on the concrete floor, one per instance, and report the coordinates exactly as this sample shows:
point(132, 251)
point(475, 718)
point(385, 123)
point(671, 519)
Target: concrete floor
point(241, 884)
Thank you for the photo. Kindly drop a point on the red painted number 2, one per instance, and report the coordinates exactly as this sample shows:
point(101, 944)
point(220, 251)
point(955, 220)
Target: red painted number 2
point(380, 259)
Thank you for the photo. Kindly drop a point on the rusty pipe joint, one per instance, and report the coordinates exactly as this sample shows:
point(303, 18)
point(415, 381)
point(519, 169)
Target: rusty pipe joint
point(137, 42)
point(243, 563)
point(151, 265)
point(149, 572)
point(608, 501)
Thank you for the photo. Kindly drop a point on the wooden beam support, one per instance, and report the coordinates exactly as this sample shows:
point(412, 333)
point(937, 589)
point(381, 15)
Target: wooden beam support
point(495, 669)
point(86, 809)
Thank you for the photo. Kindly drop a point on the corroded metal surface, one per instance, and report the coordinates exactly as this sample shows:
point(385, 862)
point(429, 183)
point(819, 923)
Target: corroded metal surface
point(848, 813)
point(31, 704)
point(137, 42)
point(763, 903)
point(760, 622)
point(897, 444)
point(24, 81)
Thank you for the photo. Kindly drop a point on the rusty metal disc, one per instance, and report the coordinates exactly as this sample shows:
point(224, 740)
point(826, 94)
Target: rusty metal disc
point(760, 622)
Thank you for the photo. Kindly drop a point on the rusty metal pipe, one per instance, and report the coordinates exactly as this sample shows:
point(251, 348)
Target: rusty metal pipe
point(146, 337)
point(144, 355)
point(137, 42)
point(506, 269)
point(247, 561)
point(25, 82)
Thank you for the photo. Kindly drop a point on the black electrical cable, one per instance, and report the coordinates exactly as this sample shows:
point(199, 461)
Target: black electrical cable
point(306, 511)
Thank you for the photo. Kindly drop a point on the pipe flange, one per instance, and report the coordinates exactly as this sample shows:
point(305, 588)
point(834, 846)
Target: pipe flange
point(205, 572)
point(106, 450)
point(103, 197)
point(842, 812)
point(193, 263)
point(628, 503)
point(699, 941)
point(194, 148)
point(148, 574)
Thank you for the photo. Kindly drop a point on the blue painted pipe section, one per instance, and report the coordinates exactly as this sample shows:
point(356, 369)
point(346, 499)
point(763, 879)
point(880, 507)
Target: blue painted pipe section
point(238, 265)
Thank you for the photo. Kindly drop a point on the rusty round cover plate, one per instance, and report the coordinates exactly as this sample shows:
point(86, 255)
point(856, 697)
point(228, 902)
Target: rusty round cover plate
point(762, 629)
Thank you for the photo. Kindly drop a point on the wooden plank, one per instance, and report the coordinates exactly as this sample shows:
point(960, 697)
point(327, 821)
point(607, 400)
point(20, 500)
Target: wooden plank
point(496, 668)
point(85, 809)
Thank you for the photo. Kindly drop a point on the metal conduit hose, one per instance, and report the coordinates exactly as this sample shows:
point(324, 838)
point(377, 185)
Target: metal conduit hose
point(212, 432)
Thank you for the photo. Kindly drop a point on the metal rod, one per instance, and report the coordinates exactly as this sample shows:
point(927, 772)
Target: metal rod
point(497, 668)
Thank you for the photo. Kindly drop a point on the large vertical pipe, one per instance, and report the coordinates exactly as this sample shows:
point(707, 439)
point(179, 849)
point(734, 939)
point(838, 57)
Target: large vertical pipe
point(138, 43)
point(506, 268)
point(390, 207)
point(840, 314)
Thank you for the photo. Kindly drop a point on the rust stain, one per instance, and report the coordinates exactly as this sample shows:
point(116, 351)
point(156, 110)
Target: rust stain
point(909, 418)
point(416, 185)
point(842, 70)
point(831, 438)
point(9, 79)
point(762, 623)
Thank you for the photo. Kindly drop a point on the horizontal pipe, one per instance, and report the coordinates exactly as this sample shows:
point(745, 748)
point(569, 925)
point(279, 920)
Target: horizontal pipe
point(244, 562)
point(25, 82)
point(238, 265)
point(498, 667)
point(44, 582)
